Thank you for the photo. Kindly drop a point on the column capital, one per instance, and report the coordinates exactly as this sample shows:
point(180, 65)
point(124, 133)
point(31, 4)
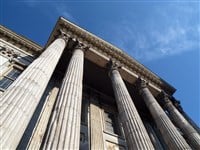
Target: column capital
point(140, 84)
point(113, 65)
point(164, 98)
point(80, 45)
point(64, 35)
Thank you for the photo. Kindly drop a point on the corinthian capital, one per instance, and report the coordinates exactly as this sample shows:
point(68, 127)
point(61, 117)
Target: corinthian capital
point(64, 35)
point(82, 46)
point(164, 98)
point(113, 65)
point(140, 83)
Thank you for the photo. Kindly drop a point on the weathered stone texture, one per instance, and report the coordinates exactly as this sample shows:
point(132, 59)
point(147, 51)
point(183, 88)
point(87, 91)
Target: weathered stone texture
point(135, 132)
point(39, 131)
point(65, 130)
point(20, 100)
point(189, 132)
point(171, 136)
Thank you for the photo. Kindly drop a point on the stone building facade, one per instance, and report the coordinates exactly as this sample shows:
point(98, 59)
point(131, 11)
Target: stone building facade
point(80, 92)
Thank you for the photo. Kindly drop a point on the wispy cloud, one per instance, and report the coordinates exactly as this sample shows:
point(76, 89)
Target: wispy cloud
point(168, 29)
point(63, 10)
point(52, 9)
point(162, 35)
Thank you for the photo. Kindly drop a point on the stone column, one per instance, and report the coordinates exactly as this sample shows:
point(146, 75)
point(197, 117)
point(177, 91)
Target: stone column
point(65, 131)
point(20, 100)
point(189, 132)
point(177, 105)
point(39, 131)
point(135, 132)
point(194, 125)
point(96, 128)
point(171, 136)
point(155, 140)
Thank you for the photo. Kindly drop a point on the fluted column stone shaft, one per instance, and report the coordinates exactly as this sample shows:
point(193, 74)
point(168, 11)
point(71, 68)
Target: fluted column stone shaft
point(157, 144)
point(177, 105)
point(171, 136)
point(39, 131)
point(189, 132)
point(65, 130)
point(135, 132)
point(194, 125)
point(20, 100)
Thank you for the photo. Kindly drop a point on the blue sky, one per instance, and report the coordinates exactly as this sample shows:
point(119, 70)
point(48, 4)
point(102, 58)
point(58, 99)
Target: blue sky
point(162, 35)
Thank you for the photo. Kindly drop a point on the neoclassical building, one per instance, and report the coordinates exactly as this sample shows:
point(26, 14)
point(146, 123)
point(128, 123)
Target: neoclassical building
point(81, 92)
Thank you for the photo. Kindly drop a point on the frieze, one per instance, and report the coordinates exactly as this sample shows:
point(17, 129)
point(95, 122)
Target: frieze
point(19, 41)
point(9, 53)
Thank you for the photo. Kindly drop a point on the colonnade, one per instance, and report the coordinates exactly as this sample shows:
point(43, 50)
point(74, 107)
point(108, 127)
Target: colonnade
point(18, 104)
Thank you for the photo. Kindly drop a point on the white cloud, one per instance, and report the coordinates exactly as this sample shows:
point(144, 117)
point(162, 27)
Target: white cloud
point(62, 10)
point(53, 9)
point(158, 39)
point(169, 30)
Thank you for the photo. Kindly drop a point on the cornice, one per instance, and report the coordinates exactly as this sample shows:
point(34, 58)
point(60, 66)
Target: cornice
point(19, 41)
point(111, 52)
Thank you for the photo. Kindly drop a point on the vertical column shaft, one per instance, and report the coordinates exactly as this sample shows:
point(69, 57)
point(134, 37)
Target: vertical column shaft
point(194, 125)
point(171, 136)
point(39, 131)
point(157, 144)
point(65, 130)
point(189, 132)
point(181, 111)
point(18, 103)
point(135, 132)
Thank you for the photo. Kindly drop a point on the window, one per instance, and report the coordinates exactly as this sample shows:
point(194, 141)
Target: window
point(10, 69)
point(9, 78)
point(111, 124)
point(5, 83)
point(13, 74)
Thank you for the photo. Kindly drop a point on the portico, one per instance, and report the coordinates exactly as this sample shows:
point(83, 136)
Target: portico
point(98, 98)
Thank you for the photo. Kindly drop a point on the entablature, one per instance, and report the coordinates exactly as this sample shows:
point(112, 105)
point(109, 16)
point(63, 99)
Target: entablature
point(100, 52)
point(19, 41)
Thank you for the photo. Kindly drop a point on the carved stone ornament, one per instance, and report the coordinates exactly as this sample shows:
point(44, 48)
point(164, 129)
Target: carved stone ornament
point(9, 52)
point(113, 65)
point(81, 46)
point(113, 52)
point(164, 98)
point(140, 83)
point(64, 35)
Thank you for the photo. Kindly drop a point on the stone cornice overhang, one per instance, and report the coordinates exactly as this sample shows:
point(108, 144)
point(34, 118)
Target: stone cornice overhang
point(131, 69)
point(19, 41)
